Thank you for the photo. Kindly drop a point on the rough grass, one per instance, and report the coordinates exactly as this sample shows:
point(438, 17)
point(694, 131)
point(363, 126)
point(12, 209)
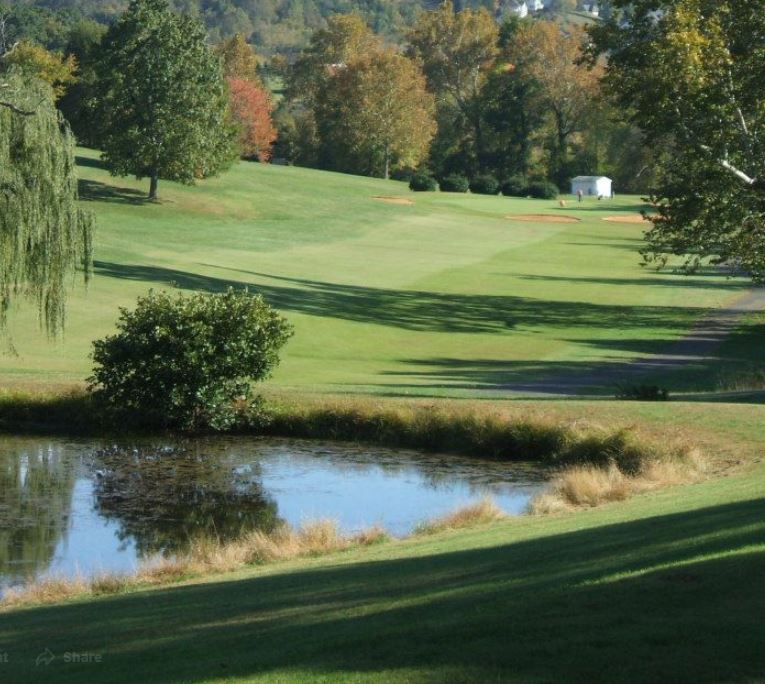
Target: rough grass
point(478, 513)
point(209, 557)
point(592, 485)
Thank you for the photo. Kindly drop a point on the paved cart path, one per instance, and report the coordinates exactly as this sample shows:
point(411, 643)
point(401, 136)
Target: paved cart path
point(698, 344)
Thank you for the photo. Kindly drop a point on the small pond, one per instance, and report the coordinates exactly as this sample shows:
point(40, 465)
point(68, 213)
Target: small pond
point(69, 506)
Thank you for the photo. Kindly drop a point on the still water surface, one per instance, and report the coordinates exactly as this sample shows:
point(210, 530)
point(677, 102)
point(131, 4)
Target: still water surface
point(69, 507)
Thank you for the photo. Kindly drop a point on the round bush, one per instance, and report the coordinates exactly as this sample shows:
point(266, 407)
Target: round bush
point(454, 183)
point(484, 185)
point(188, 361)
point(422, 182)
point(514, 187)
point(543, 190)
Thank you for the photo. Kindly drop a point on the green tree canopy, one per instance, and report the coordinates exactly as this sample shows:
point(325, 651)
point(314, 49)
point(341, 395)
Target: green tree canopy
point(44, 235)
point(690, 72)
point(161, 98)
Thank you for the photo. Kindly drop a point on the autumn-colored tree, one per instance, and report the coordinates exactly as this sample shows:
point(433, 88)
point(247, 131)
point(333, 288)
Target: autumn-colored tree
point(251, 109)
point(52, 68)
point(457, 52)
point(384, 111)
point(550, 56)
point(345, 38)
point(239, 59)
point(310, 119)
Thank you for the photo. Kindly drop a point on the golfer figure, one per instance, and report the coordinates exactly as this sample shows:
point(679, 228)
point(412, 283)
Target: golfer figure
point(579, 195)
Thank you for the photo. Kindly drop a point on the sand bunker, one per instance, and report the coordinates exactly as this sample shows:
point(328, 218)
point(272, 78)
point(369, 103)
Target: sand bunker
point(627, 218)
point(543, 218)
point(394, 200)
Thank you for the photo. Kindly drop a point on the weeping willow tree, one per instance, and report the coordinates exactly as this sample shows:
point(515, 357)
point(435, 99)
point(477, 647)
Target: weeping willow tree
point(44, 235)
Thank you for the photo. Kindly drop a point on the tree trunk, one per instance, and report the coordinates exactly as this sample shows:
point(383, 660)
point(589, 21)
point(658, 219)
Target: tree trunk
point(387, 163)
point(153, 185)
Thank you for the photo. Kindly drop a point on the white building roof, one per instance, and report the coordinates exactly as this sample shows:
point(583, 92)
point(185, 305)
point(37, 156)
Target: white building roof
point(590, 178)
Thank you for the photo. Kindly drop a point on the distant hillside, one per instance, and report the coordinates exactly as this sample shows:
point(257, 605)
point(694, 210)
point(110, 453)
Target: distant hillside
point(271, 25)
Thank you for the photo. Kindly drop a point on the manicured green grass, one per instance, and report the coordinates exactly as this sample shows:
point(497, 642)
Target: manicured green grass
point(664, 587)
point(444, 297)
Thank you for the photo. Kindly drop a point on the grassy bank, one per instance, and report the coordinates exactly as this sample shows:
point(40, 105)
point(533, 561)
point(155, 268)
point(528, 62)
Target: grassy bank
point(664, 587)
point(474, 429)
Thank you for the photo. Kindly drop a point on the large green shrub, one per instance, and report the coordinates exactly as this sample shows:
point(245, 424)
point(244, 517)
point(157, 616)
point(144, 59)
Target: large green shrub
point(543, 190)
point(454, 183)
point(515, 186)
point(188, 361)
point(422, 182)
point(484, 185)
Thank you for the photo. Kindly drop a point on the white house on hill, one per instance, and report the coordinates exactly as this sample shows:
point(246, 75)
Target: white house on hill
point(592, 186)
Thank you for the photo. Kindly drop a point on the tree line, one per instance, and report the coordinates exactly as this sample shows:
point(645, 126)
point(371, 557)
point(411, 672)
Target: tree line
point(464, 96)
point(275, 26)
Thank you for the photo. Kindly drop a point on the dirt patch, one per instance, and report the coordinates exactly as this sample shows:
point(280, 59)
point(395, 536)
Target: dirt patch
point(402, 201)
point(627, 218)
point(543, 218)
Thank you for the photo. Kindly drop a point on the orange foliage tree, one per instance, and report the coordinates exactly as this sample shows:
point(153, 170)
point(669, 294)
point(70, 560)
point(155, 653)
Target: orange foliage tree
point(251, 109)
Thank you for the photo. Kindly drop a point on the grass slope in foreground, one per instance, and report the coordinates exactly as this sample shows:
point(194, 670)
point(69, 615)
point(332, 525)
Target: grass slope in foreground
point(664, 587)
point(446, 296)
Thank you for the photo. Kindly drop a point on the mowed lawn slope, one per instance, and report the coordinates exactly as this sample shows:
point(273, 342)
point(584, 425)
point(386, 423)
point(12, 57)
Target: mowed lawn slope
point(665, 587)
point(445, 296)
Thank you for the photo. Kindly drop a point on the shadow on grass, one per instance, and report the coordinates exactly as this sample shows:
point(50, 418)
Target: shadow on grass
point(598, 378)
point(93, 191)
point(652, 600)
point(670, 279)
point(91, 162)
point(414, 309)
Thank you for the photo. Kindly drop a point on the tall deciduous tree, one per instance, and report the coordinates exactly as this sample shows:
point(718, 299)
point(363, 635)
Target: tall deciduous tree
point(251, 109)
point(345, 38)
point(318, 132)
point(690, 72)
point(44, 235)
point(161, 98)
point(457, 51)
point(568, 90)
point(384, 109)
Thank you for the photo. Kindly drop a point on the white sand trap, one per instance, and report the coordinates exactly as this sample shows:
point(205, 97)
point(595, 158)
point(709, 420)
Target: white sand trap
point(402, 201)
point(543, 218)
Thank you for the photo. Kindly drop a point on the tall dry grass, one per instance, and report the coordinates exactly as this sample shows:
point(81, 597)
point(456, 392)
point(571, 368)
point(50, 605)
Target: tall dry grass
point(205, 556)
point(592, 485)
point(208, 556)
point(478, 513)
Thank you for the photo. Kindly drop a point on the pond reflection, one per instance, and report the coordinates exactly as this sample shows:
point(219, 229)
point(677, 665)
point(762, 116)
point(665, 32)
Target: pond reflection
point(164, 498)
point(36, 487)
point(69, 507)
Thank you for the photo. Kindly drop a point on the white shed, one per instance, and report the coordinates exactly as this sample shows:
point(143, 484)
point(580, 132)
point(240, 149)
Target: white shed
point(591, 186)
